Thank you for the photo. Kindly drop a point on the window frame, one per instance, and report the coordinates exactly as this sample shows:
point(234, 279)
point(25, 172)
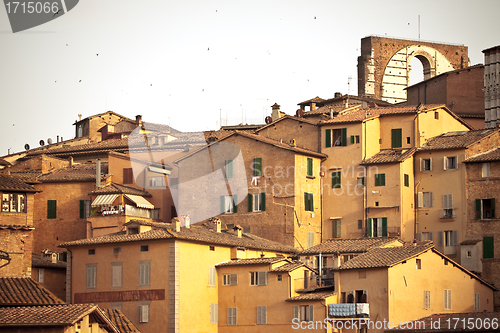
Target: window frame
point(226, 206)
point(91, 276)
point(228, 169)
point(214, 313)
point(427, 299)
point(230, 279)
point(257, 167)
point(258, 278)
point(379, 179)
point(118, 279)
point(336, 179)
point(143, 313)
point(144, 273)
point(308, 202)
point(51, 209)
point(256, 202)
point(310, 168)
point(450, 163)
point(10, 199)
point(424, 166)
point(212, 276)
point(396, 138)
point(232, 316)
point(447, 299)
point(261, 315)
point(337, 228)
point(486, 170)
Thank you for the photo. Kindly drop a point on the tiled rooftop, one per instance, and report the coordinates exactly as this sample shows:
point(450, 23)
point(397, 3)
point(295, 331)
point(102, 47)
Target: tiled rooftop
point(492, 155)
point(16, 227)
point(359, 245)
point(114, 188)
point(252, 261)
point(299, 120)
point(14, 184)
point(196, 233)
point(312, 296)
point(390, 156)
point(77, 172)
point(25, 291)
point(291, 266)
point(456, 140)
point(386, 256)
point(38, 261)
point(121, 322)
point(4, 162)
point(56, 315)
point(316, 99)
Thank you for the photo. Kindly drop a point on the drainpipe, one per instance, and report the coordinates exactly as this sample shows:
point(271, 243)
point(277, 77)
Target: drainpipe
point(98, 173)
point(69, 274)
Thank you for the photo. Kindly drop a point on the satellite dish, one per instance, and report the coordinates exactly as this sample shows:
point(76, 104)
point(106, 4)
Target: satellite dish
point(269, 120)
point(42, 143)
point(27, 146)
point(49, 141)
point(299, 113)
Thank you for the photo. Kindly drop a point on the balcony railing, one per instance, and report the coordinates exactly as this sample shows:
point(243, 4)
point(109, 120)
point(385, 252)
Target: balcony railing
point(391, 231)
point(349, 310)
point(312, 283)
point(447, 214)
point(128, 210)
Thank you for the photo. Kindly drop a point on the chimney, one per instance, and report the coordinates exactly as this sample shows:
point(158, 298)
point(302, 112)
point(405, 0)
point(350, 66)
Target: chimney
point(338, 95)
point(331, 113)
point(313, 106)
point(138, 120)
point(71, 162)
point(275, 114)
point(218, 224)
point(177, 225)
point(187, 221)
point(98, 173)
point(7, 170)
point(58, 139)
point(239, 230)
point(53, 257)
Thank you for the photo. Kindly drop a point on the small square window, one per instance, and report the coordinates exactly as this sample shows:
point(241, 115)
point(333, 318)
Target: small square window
point(468, 254)
point(117, 250)
point(280, 277)
point(436, 115)
point(376, 203)
point(144, 248)
point(419, 263)
point(91, 252)
point(212, 248)
point(408, 140)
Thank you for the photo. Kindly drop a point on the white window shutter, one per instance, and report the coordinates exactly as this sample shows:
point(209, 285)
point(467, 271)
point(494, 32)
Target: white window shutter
point(430, 199)
point(421, 164)
point(440, 238)
point(419, 236)
point(430, 163)
point(296, 312)
point(445, 163)
point(311, 312)
point(445, 201)
point(430, 236)
point(450, 201)
point(262, 278)
point(454, 237)
point(420, 199)
point(233, 279)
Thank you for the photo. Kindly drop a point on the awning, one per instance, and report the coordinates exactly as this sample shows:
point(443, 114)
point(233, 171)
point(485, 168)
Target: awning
point(140, 201)
point(104, 200)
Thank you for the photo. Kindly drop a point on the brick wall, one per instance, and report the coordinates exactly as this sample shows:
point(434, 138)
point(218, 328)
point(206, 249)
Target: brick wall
point(18, 244)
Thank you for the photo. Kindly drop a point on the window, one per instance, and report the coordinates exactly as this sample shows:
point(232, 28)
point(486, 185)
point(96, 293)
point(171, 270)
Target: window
point(309, 168)
point(396, 138)
point(354, 139)
point(427, 299)
point(228, 168)
point(230, 279)
point(448, 238)
point(117, 251)
point(436, 115)
point(258, 278)
point(144, 313)
point(408, 140)
point(485, 208)
point(211, 276)
point(308, 202)
point(128, 176)
point(419, 263)
point(424, 199)
point(39, 275)
point(156, 182)
point(261, 315)
point(361, 181)
point(51, 209)
point(144, 248)
point(336, 136)
point(328, 138)
point(450, 162)
point(447, 299)
point(228, 204)
point(425, 164)
point(257, 166)
point(280, 277)
point(486, 170)
point(310, 239)
point(231, 316)
point(91, 276)
point(336, 228)
point(377, 227)
point(91, 252)
point(211, 248)
point(303, 312)
point(380, 179)
point(336, 179)
point(477, 303)
point(407, 180)
point(84, 209)
point(488, 248)
point(13, 203)
point(468, 254)
point(257, 202)
point(214, 313)
point(144, 272)
point(116, 274)
point(448, 206)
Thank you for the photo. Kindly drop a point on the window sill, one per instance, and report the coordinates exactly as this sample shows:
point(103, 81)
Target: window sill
point(310, 177)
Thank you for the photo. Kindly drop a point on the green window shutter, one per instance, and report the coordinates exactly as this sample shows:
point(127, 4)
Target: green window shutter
point(311, 204)
point(397, 137)
point(407, 180)
point(222, 204)
point(309, 167)
point(250, 202)
point(336, 180)
point(263, 201)
point(352, 139)
point(344, 136)
point(51, 209)
point(306, 202)
point(370, 228)
point(488, 248)
point(229, 168)
point(257, 166)
point(380, 179)
point(82, 209)
point(328, 138)
point(235, 203)
point(478, 209)
point(384, 227)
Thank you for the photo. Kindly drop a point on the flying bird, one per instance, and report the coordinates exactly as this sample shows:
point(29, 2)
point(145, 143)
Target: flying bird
point(80, 81)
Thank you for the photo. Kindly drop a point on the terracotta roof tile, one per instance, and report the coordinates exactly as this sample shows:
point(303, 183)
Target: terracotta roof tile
point(390, 156)
point(38, 261)
point(114, 188)
point(291, 266)
point(196, 233)
point(312, 296)
point(359, 245)
point(492, 155)
point(456, 140)
point(56, 315)
point(4, 162)
point(77, 172)
point(386, 256)
point(316, 99)
point(16, 227)
point(471, 241)
point(24, 291)
point(29, 176)
point(94, 147)
point(252, 261)
point(121, 322)
point(14, 184)
point(299, 120)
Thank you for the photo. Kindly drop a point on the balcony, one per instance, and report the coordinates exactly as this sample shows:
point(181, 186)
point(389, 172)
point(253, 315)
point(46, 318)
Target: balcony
point(312, 283)
point(447, 214)
point(391, 232)
point(349, 310)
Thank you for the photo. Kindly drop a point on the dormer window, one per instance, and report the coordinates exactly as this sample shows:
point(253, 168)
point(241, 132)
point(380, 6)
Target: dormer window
point(133, 231)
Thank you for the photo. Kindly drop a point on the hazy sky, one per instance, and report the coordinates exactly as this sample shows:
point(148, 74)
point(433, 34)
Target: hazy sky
point(189, 62)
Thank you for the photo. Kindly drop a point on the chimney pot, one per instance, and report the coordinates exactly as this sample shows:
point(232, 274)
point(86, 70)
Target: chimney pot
point(338, 95)
point(138, 119)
